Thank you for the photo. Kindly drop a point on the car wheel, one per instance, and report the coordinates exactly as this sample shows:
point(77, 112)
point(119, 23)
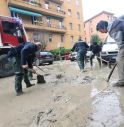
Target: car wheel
point(72, 60)
point(6, 67)
point(37, 62)
point(51, 62)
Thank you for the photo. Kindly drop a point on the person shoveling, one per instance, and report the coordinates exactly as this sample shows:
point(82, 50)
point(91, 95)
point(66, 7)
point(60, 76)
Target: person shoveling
point(116, 31)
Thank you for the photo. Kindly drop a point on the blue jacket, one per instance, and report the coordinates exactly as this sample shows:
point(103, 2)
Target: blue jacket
point(26, 52)
point(80, 46)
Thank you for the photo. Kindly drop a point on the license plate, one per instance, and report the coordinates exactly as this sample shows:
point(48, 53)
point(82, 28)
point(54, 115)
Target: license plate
point(114, 57)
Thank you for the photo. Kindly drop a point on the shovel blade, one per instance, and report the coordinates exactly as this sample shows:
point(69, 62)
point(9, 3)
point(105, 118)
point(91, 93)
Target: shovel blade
point(40, 79)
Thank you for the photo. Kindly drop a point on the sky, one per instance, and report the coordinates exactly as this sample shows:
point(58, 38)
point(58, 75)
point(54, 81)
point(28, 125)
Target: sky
point(93, 7)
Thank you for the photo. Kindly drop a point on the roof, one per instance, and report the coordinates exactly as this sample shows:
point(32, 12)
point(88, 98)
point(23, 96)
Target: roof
point(103, 12)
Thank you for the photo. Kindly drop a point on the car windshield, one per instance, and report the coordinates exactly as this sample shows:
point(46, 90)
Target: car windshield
point(45, 53)
point(109, 40)
point(12, 28)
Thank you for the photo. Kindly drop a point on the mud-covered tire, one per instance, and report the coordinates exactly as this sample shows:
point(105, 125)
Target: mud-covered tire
point(6, 67)
point(51, 62)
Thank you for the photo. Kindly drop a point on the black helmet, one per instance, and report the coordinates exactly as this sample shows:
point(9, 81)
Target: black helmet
point(101, 25)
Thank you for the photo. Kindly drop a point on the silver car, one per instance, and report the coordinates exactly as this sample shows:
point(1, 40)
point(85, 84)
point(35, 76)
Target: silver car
point(44, 57)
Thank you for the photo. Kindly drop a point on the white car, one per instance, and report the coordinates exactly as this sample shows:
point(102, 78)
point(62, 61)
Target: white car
point(73, 55)
point(109, 50)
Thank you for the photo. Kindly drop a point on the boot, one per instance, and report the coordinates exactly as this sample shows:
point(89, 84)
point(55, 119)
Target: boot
point(19, 93)
point(29, 85)
point(118, 84)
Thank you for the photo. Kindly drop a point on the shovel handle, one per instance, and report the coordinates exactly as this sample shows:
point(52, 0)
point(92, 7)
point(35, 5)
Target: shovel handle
point(111, 72)
point(40, 69)
point(31, 70)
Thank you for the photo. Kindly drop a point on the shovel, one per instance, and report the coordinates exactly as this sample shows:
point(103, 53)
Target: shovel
point(40, 78)
point(111, 72)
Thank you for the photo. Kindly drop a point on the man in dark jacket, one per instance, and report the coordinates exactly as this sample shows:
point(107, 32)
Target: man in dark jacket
point(116, 31)
point(81, 48)
point(23, 55)
point(95, 51)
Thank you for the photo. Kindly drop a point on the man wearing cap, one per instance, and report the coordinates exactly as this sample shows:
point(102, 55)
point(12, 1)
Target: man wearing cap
point(23, 55)
point(116, 31)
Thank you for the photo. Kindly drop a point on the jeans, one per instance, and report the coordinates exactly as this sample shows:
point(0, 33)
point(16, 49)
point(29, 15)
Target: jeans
point(20, 73)
point(80, 59)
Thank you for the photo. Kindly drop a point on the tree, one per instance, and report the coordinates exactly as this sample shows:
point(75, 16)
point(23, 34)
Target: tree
point(96, 38)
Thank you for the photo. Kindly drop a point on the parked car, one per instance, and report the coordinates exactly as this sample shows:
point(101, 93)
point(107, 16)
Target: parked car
point(109, 50)
point(44, 57)
point(73, 56)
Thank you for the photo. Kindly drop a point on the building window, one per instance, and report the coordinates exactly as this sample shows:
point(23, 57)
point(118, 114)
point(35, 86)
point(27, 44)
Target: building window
point(62, 38)
point(36, 36)
point(78, 15)
point(58, 8)
point(14, 14)
point(79, 27)
point(32, 1)
point(46, 4)
point(49, 22)
point(60, 24)
point(72, 39)
point(69, 12)
point(50, 37)
point(34, 20)
point(77, 3)
point(71, 26)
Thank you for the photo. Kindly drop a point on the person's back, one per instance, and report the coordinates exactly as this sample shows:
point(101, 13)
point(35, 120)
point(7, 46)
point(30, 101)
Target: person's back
point(81, 48)
point(95, 48)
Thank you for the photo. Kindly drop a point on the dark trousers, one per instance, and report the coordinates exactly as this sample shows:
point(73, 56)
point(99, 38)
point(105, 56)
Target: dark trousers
point(98, 59)
point(20, 73)
point(80, 59)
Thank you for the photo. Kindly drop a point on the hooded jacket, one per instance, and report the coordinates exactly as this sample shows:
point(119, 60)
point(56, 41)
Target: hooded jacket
point(116, 31)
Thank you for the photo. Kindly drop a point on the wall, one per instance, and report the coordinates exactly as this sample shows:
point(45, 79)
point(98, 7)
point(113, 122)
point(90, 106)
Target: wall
point(90, 26)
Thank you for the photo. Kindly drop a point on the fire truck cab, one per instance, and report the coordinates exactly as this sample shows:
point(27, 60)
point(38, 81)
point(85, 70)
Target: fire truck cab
point(12, 33)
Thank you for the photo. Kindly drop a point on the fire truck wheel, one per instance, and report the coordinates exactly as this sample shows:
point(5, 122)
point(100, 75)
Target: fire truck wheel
point(6, 67)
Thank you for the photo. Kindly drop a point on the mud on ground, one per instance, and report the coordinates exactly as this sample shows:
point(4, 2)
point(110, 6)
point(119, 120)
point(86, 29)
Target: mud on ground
point(67, 99)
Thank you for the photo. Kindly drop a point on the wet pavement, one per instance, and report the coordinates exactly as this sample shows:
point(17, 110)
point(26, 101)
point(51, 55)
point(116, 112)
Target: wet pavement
point(68, 99)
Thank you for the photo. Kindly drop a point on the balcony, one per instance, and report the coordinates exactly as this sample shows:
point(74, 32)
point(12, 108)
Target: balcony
point(36, 7)
point(58, 1)
point(46, 27)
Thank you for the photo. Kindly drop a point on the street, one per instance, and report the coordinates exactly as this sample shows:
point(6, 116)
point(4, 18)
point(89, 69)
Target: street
point(69, 98)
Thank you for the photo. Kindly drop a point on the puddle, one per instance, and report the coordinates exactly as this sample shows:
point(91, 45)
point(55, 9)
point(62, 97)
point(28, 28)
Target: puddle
point(94, 92)
point(106, 110)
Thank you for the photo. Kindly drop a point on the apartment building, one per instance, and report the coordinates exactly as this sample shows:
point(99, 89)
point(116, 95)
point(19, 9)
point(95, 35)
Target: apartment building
point(58, 23)
point(90, 25)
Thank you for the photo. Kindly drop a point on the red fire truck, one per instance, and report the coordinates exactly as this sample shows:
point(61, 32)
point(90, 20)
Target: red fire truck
point(12, 33)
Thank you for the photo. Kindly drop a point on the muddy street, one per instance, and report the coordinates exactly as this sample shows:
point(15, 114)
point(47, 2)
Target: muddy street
point(67, 99)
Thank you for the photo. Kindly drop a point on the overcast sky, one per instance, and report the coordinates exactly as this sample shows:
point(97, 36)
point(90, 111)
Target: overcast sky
point(93, 7)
